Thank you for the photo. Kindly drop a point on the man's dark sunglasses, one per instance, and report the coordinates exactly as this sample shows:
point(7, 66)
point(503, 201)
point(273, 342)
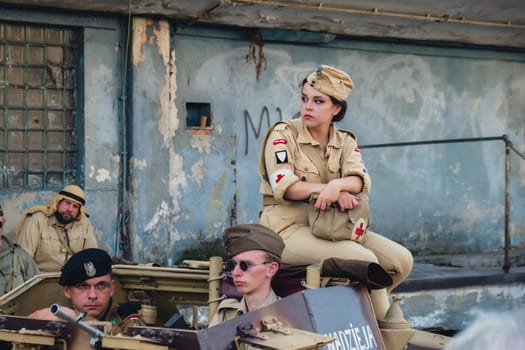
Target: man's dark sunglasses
point(244, 265)
point(1, 224)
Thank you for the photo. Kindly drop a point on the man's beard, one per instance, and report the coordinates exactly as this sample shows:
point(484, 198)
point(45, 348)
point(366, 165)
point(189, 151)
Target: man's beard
point(62, 219)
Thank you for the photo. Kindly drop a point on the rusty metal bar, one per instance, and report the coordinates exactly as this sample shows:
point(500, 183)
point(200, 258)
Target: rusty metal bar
point(429, 142)
point(427, 17)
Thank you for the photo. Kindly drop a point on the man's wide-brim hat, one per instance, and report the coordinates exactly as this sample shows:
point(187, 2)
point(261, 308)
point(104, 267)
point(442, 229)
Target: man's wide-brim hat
point(86, 264)
point(331, 81)
point(244, 237)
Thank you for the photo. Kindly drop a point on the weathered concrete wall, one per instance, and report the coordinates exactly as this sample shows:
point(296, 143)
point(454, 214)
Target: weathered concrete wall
point(101, 82)
point(432, 198)
point(103, 58)
point(153, 121)
point(187, 184)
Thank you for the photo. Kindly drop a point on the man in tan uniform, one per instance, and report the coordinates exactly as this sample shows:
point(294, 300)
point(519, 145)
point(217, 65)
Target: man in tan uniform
point(87, 283)
point(16, 264)
point(54, 232)
point(255, 255)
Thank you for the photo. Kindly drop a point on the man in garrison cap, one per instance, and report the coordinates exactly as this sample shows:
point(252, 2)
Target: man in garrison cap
point(88, 284)
point(52, 233)
point(254, 253)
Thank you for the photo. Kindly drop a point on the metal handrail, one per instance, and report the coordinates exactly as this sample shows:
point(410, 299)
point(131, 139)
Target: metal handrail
point(508, 147)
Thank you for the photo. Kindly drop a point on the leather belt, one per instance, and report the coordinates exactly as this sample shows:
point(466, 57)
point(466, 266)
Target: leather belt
point(269, 200)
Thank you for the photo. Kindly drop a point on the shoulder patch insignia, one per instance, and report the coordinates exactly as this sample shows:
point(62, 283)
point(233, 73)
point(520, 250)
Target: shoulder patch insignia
point(281, 157)
point(280, 142)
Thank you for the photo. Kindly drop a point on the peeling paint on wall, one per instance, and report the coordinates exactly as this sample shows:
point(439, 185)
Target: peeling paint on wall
point(138, 164)
point(168, 121)
point(201, 143)
point(140, 25)
point(177, 178)
point(162, 213)
point(115, 161)
point(100, 175)
point(198, 170)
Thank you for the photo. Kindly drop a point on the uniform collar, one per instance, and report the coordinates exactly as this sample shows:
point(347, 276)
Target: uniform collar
point(304, 136)
point(243, 308)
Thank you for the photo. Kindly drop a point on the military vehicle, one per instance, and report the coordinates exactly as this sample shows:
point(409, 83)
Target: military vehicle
point(316, 312)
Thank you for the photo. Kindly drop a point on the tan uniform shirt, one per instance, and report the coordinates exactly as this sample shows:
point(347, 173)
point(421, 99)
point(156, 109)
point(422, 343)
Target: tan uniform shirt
point(51, 243)
point(231, 308)
point(284, 162)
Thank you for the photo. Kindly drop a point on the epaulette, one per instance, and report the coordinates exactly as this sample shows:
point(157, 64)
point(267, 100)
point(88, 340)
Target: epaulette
point(279, 126)
point(351, 133)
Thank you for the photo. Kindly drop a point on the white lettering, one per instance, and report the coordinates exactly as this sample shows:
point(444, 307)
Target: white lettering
point(344, 339)
point(353, 338)
point(371, 339)
point(358, 339)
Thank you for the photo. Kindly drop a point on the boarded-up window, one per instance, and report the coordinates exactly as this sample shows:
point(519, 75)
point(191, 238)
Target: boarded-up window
point(38, 66)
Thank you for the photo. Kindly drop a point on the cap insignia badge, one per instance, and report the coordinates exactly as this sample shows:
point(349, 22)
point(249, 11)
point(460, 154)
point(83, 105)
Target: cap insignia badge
point(90, 269)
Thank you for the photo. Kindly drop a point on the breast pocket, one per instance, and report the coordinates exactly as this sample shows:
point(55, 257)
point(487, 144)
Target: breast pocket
point(50, 243)
point(334, 170)
point(307, 171)
point(77, 240)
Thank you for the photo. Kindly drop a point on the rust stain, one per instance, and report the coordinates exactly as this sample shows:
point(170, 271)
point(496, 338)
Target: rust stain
point(163, 39)
point(139, 38)
point(168, 121)
point(201, 132)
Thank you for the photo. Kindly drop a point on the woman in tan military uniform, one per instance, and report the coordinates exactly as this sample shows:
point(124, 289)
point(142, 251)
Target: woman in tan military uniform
point(309, 155)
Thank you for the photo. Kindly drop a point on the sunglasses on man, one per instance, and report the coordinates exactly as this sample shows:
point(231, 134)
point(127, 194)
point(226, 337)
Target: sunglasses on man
point(229, 265)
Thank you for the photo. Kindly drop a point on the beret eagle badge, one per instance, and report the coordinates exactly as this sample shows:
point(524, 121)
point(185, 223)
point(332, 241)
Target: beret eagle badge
point(90, 269)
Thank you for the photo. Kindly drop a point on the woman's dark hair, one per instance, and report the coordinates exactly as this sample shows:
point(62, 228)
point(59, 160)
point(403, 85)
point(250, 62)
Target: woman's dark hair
point(339, 116)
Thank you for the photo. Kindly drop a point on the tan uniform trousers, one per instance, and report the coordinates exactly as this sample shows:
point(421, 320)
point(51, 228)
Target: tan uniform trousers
point(302, 248)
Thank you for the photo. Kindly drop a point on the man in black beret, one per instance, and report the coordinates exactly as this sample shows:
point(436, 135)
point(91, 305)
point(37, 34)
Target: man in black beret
point(87, 282)
point(254, 253)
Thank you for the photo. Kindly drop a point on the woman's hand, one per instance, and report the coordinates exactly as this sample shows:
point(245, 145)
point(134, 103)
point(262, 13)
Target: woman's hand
point(347, 201)
point(328, 195)
point(335, 192)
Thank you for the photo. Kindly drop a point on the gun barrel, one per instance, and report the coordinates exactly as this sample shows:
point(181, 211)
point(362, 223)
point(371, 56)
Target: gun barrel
point(58, 311)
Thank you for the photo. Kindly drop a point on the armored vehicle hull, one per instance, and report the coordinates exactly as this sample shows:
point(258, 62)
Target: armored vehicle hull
point(338, 316)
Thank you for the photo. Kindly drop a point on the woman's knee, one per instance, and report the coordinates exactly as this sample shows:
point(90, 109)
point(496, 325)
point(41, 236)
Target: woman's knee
point(405, 261)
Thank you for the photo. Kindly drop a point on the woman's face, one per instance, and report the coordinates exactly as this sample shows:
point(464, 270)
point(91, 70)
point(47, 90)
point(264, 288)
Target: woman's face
point(317, 108)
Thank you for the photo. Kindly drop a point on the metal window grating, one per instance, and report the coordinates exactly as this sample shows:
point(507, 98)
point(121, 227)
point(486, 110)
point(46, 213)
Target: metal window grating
point(38, 66)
